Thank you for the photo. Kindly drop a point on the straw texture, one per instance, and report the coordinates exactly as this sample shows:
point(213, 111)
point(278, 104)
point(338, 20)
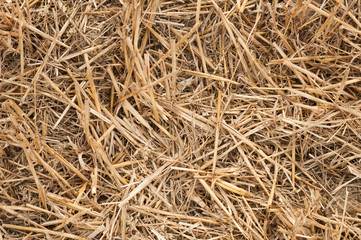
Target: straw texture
point(170, 119)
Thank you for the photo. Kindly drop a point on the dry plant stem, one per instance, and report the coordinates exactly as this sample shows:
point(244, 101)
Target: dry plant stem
point(216, 199)
point(293, 159)
point(144, 183)
point(32, 28)
point(219, 102)
point(174, 68)
point(45, 231)
point(52, 46)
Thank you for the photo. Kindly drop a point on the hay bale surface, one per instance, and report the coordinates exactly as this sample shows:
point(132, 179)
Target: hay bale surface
point(203, 119)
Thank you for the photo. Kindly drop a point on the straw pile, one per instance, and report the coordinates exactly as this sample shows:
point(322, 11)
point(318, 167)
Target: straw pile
point(202, 119)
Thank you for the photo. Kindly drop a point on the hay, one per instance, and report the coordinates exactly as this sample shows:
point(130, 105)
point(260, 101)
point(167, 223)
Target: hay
point(204, 119)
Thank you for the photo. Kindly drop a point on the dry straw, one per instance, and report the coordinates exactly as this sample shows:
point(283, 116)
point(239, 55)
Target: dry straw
point(203, 119)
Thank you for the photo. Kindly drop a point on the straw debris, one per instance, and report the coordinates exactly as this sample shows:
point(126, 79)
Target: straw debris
point(204, 119)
